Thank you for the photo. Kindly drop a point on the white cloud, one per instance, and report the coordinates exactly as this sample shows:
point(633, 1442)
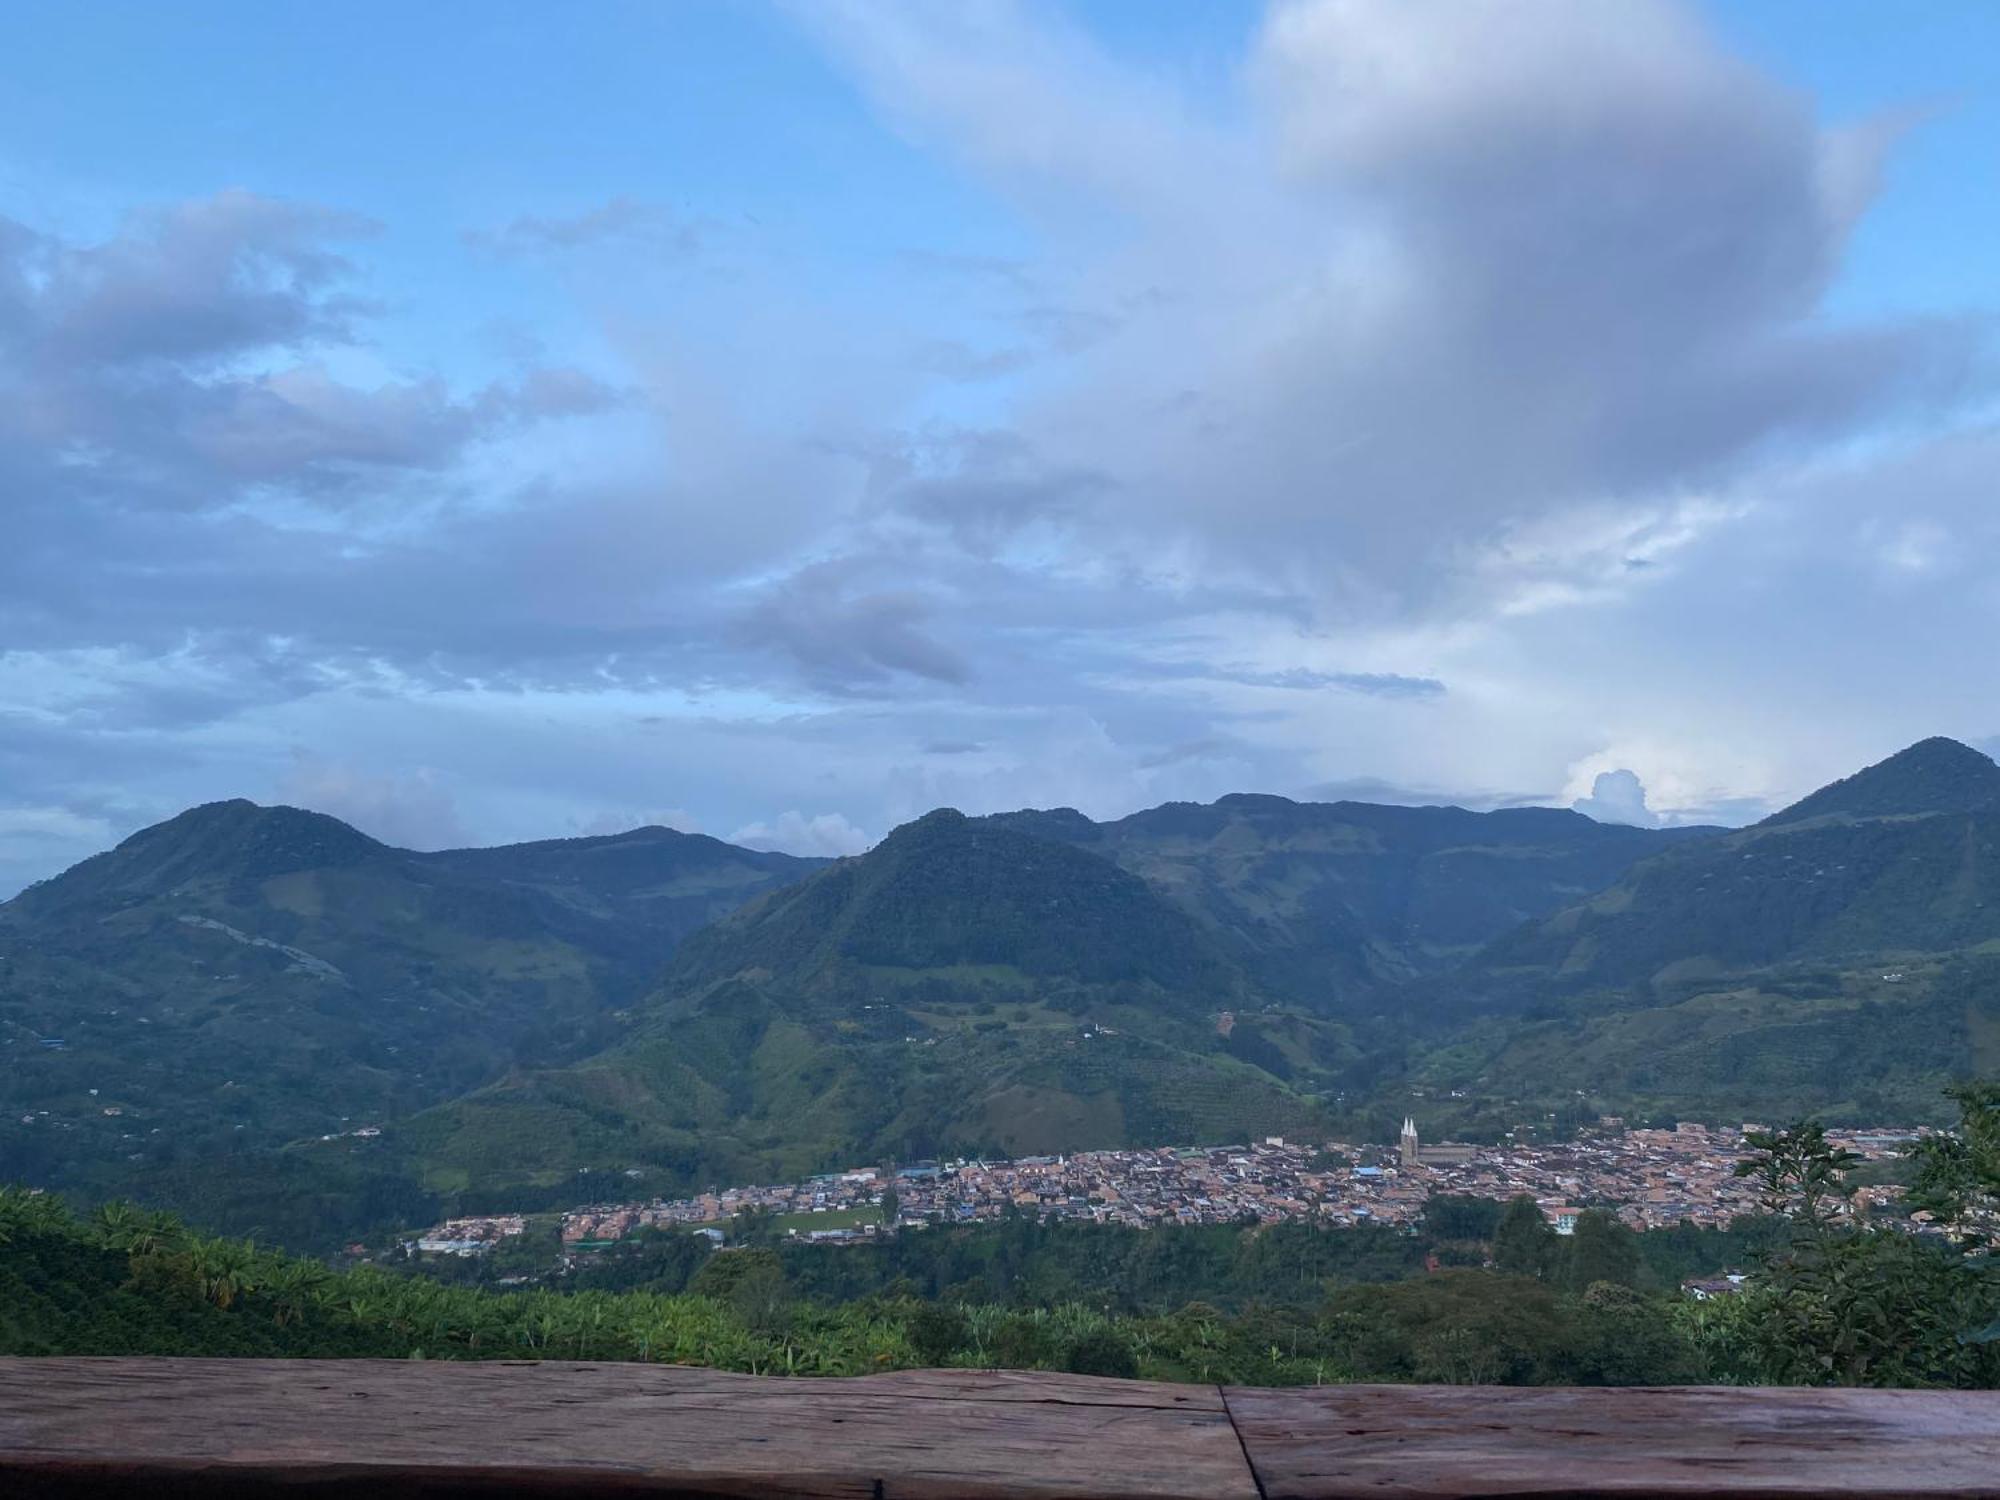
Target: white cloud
point(1445, 401)
point(413, 810)
point(677, 818)
point(1617, 797)
point(794, 833)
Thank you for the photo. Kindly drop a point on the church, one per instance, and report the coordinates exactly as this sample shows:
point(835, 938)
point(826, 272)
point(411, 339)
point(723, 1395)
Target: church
point(1416, 1154)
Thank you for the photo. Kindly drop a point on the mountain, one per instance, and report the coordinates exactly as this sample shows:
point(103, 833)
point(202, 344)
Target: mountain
point(1902, 858)
point(240, 975)
point(1329, 902)
point(1933, 776)
point(962, 986)
point(946, 895)
point(1843, 954)
point(675, 1012)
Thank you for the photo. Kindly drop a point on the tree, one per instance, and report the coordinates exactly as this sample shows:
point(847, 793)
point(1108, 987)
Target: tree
point(1800, 1174)
point(1460, 1216)
point(936, 1332)
point(1523, 1242)
point(1102, 1351)
point(1958, 1176)
point(1601, 1250)
point(1852, 1306)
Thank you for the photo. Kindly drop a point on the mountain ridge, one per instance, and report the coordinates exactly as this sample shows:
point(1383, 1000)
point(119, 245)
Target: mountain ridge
point(1337, 900)
point(960, 986)
point(1026, 981)
point(241, 975)
point(1933, 775)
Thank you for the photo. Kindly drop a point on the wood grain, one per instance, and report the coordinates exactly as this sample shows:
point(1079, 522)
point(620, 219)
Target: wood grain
point(387, 1429)
point(383, 1427)
point(1448, 1443)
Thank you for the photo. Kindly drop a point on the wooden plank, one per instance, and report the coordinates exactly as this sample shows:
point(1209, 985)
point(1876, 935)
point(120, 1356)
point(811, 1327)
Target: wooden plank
point(384, 1427)
point(337, 1428)
point(1448, 1443)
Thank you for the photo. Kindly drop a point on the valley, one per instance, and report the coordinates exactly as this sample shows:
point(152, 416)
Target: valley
point(263, 1017)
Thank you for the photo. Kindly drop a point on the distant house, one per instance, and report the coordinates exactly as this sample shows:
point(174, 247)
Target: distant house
point(1707, 1288)
point(431, 1246)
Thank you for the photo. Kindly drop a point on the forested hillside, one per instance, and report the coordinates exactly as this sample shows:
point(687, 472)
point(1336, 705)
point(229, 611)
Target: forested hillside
point(1483, 1292)
point(1841, 957)
point(963, 986)
point(1329, 902)
point(263, 1016)
point(238, 977)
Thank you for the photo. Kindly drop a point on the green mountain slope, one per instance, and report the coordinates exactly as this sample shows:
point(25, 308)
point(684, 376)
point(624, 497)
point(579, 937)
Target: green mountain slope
point(1327, 902)
point(1932, 776)
point(1902, 858)
point(1842, 956)
point(962, 986)
point(239, 976)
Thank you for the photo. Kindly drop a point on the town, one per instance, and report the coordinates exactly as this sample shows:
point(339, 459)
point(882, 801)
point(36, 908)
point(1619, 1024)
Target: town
point(1650, 1178)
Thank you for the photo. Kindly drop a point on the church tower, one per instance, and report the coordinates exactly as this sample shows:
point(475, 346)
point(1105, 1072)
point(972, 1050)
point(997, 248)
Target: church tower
point(1411, 1149)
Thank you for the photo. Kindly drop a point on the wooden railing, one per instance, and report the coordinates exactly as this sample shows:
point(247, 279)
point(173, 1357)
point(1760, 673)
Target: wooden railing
point(162, 1427)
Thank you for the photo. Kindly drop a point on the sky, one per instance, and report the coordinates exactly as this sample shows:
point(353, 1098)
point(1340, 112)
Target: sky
point(498, 421)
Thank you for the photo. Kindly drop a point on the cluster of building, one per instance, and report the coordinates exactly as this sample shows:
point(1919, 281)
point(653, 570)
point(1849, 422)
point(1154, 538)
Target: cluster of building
point(835, 1192)
point(1649, 1178)
point(470, 1236)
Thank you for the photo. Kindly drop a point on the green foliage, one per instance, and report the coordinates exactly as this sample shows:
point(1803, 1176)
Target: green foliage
point(841, 1020)
point(1958, 1175)
point(1458, 1216)
point(1601, 1253)
point(1901, 859)
point(241, 977)
point(1102, 1351)
point(1840, 1305)
point(1524, 1243)
point(1799, 1175)
point(937, 1332)
point(1326, 903)
point(1881, 1309)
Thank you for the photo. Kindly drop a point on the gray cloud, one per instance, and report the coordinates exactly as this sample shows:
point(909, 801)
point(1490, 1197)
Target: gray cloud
point(824, 834)
point(1457, 368)
point(178, 365)
point(412, 810)
point(619, 222)
point(190, 282)
point(677, 818)
point(847, 635)
point(1507, 265)
point(1396, 794)
point(1372, 684)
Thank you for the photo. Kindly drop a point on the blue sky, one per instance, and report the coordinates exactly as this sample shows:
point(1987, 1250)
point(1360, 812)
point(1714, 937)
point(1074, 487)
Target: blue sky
point(502, 421)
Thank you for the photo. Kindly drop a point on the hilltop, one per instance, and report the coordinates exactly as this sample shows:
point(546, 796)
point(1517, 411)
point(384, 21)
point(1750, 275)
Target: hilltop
point(1903, 857)
point(1329, 902)
point(1933, 776)
point(239, 982)
point(962, 986)
point(1842, 955)
point(239, 976)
